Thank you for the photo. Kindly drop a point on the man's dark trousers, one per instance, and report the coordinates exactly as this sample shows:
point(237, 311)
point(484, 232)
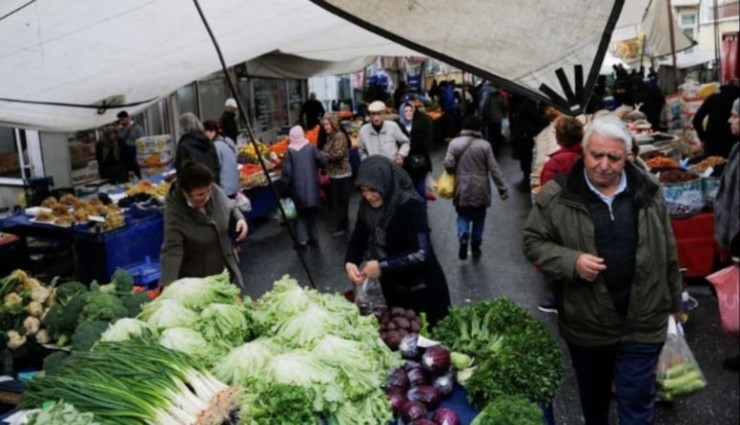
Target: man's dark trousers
point(632, 368)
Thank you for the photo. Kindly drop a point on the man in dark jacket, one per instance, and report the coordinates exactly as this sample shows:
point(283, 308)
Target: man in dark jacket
point(228, 119)
point(603, 235)
point(311, 112)
point(195, 146)
point(716, 137)
point(527, 120)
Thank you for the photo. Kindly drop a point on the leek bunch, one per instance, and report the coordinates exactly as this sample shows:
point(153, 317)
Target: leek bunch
point(136, 382)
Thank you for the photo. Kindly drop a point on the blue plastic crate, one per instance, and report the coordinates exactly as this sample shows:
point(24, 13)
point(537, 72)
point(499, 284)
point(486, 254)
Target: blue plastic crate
point(145, 273)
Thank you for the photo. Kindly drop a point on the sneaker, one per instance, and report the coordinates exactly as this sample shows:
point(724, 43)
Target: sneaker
point(548, 307)
point(463, 252)
point(476, 251)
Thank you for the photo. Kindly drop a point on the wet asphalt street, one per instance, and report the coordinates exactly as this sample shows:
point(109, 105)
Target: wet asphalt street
point(504, 271)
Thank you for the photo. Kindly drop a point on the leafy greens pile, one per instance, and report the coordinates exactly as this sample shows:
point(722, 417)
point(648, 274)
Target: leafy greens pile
point(516, 355)
point(314, 357)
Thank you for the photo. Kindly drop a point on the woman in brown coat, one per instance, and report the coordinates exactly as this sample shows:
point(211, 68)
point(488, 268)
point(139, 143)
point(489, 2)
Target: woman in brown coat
point(198, 218)
point(336, 151)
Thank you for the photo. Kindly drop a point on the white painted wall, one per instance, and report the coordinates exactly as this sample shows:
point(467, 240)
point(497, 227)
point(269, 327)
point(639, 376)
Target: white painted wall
point(55, 152)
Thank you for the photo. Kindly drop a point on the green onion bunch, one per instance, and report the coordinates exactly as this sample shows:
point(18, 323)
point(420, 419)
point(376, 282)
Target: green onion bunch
point(136, 382)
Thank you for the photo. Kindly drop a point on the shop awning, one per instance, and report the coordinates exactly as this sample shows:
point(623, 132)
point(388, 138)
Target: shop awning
point(60, 61)
point(72, 65)
point(689, 60)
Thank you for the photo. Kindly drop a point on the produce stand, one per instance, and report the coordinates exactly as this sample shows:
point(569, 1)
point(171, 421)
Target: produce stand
point(99, 254)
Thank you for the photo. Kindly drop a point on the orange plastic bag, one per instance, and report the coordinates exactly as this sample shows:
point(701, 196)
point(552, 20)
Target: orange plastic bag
point(727, 284)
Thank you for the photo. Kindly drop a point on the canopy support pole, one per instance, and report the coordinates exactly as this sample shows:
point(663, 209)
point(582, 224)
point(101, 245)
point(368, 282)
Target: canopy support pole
point(253, 141)
point(673, 46)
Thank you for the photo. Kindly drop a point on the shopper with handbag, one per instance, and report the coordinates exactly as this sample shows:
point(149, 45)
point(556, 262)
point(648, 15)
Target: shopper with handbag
point(470, 158)
point(418, 128)
point(300, 180)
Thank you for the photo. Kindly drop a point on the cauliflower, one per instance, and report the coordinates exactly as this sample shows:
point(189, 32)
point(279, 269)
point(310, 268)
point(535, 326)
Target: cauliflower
point(31, 324)
point(43, 337)
point(39, 293)
point(35, 309)
point(13, 299)
point(15, 340)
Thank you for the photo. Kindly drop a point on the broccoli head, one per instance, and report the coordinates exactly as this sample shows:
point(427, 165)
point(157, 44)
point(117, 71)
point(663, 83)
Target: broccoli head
point(54, 322)
point(87, 334)
point(54, 361)
point(103, 306)
point(66, 291)
point(123, 281)
point(72, 313)
point(11, 316)
point(133, 302)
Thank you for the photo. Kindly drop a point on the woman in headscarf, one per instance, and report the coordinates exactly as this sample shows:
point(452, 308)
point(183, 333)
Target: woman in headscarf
point(336, 151)
point(391, 237)
point(418, 128)
point(300, 179)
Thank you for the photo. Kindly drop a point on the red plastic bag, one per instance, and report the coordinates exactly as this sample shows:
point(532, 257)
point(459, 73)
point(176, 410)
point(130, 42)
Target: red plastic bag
point(727, 284)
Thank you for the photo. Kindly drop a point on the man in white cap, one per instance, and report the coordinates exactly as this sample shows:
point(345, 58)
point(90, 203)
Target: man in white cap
point(228, 119)
point(381, 137)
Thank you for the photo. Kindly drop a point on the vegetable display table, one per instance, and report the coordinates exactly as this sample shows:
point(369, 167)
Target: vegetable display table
point(262, 200)
point(99, 254)
point(695, 243)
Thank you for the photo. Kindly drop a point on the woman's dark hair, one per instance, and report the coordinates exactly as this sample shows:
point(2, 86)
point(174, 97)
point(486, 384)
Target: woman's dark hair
point(211, 125)
point(471, 122)
point(568, 131)
point(194, 175)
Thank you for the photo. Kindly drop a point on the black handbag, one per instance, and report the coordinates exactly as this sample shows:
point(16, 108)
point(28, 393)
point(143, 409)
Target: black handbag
point(416, 163)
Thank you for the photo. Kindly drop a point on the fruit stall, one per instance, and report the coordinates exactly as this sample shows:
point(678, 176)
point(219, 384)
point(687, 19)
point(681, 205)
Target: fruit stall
point(200, 353)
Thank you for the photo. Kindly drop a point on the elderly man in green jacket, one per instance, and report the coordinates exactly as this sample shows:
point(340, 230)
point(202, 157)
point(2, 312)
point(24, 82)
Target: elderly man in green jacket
point(603, 235)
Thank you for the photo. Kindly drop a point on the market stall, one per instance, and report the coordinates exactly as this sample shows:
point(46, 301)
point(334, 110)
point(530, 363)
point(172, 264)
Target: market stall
point(104, 235)
point(200, 354)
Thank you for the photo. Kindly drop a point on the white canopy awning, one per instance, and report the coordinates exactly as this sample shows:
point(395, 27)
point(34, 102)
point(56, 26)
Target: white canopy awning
point(688, 60)
point(57, 53)
point(651, 17)
point(62, 61)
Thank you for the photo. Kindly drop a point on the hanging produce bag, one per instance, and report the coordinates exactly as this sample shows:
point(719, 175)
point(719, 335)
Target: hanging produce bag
point(678, 374)
point(446, 185)
point(369, 297)
point(290, 212)
point(727, 284)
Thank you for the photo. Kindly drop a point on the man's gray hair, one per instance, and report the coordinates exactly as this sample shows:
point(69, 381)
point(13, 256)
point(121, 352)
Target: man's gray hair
point(608, 128)
point(189, 123)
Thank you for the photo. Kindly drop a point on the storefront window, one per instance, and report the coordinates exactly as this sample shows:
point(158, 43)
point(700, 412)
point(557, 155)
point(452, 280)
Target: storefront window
point(242, 87)
point(186, 99)
point(11, 153)
point(83, 164)
point(270, 104)
point(295, 100)
point(153, 123)
point(212, 95)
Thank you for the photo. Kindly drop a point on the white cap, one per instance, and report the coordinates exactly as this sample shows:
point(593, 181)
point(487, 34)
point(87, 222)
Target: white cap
point(376, 106)
point(230, 102)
